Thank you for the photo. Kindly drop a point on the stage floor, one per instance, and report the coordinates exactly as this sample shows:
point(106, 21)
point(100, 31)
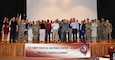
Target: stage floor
point(105, 42)
point(40, 59)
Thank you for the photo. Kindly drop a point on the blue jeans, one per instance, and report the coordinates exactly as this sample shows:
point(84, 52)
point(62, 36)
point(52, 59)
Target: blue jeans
point(82, 35)
point(48, 33)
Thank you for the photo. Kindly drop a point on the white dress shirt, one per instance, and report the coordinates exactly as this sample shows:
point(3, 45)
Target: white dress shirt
point(75, 25)
point(55, 26)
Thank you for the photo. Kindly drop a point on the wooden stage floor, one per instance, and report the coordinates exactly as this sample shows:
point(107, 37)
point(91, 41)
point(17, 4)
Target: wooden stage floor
point(16, 50)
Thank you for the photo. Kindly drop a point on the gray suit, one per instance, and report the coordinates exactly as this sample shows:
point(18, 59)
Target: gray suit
point(65, 27)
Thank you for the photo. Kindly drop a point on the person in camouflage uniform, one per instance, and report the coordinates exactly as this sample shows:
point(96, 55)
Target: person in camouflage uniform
point(104, 29)
point(36, 31)
point(21, 26)
point(109, 29)
point(99, 32)
point(88, 30)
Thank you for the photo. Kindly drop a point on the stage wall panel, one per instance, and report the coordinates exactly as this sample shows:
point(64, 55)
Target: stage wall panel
point(17, 49)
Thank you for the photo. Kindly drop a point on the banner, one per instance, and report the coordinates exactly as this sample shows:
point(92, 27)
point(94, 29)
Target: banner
point(64, 50)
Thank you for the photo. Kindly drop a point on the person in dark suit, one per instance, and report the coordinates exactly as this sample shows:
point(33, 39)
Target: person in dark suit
point(65, 27)
point(82, 31)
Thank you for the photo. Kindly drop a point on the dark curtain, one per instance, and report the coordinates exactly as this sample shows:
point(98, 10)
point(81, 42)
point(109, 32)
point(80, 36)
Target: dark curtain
point(10, 8)
point(106, 9)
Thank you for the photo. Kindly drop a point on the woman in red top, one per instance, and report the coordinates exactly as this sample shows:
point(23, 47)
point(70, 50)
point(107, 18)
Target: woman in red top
point(5, 29)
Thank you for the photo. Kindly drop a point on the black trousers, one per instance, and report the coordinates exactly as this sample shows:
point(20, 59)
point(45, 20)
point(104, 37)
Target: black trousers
point(12, 35)
point(74, 31)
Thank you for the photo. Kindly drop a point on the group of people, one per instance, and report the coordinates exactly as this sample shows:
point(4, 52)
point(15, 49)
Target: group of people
point(56, 30)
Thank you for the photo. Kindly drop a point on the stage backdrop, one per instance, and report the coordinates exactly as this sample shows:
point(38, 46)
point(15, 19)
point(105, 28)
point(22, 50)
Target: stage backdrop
point(62, 9)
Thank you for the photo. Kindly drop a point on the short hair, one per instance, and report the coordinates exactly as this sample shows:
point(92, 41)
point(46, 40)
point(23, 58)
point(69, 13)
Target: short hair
point(48, 20)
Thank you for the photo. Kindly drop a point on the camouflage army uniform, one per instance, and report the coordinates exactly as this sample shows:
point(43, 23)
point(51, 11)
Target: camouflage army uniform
point(35, 32)
point(104, 31)
point(109, 30)
point(21, 30)
point(102, 28)
point(99, 32)
point(88, 31)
